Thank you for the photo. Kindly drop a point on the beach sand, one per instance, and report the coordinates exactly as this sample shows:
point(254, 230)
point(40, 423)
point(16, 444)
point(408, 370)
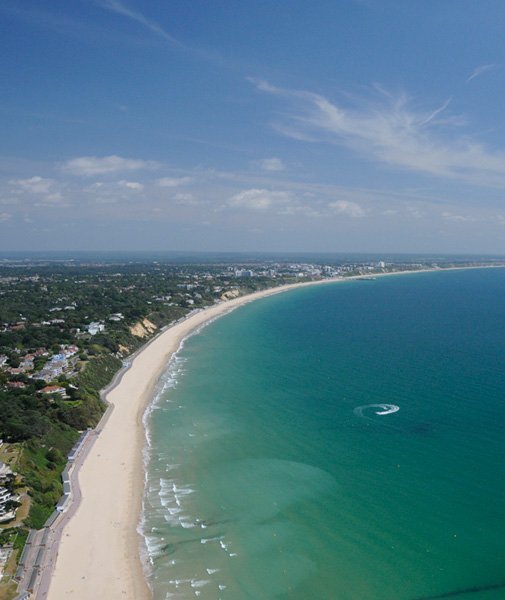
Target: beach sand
point(99, 552)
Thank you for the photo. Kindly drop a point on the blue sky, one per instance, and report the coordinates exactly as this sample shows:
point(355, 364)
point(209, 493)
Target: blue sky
point(343, 125)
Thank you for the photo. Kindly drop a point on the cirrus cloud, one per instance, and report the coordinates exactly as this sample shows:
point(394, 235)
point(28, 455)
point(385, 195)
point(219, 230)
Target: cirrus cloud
point(480, 70)
point(394, 132)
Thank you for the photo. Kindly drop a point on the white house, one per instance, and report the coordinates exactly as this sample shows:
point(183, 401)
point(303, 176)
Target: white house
point(95, 327)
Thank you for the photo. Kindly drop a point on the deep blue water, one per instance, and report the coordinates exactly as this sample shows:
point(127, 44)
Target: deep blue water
point(270, 477)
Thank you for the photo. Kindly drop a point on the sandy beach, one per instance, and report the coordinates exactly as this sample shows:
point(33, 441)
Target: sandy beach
point(99, 552)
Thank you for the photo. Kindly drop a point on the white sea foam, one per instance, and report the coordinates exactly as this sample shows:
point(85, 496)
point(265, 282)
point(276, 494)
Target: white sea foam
point(154, 545)
point(182, 491)
point(174, 511)
point(167, 495)
point(385, 409)
point(213, 539)
point(198, 583)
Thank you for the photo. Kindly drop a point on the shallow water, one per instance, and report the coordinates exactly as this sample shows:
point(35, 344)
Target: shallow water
point(340, 442)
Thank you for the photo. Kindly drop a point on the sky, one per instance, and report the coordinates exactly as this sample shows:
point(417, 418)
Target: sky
point(273, 126)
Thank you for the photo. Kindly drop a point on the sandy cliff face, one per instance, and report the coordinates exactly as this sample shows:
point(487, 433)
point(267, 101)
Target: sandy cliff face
point(143, 328)
point(230, 295)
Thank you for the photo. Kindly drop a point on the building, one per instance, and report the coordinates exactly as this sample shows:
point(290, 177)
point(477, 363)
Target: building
point(53, 389)
point(18, 385)
point(6, 514)
point(70, 350)
point(95, 327)
point(5, 471)
point(116, 317)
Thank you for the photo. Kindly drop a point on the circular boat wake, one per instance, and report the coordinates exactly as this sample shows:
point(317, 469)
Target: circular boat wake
point(384, 409)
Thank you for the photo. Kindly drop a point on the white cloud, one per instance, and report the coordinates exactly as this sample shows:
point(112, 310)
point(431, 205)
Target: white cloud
point(456, 217)
point(351, 209)
point(34, 185)
point(131, 185)
point(480, 70)
point(185, 199)
point(393, 132)
point(46, 191)
point(125, 11)
point(271, 164)
point(54, 198)
point(259, 199)
point(4, 217)
point(173, 181)
point(104, 165)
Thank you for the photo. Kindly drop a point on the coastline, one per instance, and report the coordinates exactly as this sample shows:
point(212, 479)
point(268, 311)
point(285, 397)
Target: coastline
point(99, 551)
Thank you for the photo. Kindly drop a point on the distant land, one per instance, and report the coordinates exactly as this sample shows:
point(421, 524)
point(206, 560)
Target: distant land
point(183, 256)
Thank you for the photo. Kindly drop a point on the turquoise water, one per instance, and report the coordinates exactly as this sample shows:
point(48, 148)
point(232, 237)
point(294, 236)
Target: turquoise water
point(270, 477)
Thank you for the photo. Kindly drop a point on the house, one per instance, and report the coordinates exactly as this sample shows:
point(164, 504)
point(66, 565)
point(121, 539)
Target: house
point(95, 327)
point(5, 471)
point(116, 317)
point(18, 385)
point(6, 495)
point(26, 364)
point(44, 375)
point(70, 350)
point(16, 370)
point(53, 389)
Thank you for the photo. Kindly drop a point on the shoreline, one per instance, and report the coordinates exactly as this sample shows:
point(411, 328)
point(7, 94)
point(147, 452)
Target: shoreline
point(99, 544)
point(101, 536)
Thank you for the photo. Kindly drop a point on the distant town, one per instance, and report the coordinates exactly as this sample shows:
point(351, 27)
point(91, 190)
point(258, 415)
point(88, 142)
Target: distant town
point(67, 327)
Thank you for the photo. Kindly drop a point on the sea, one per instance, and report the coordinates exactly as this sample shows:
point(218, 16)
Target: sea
point(344, 441)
